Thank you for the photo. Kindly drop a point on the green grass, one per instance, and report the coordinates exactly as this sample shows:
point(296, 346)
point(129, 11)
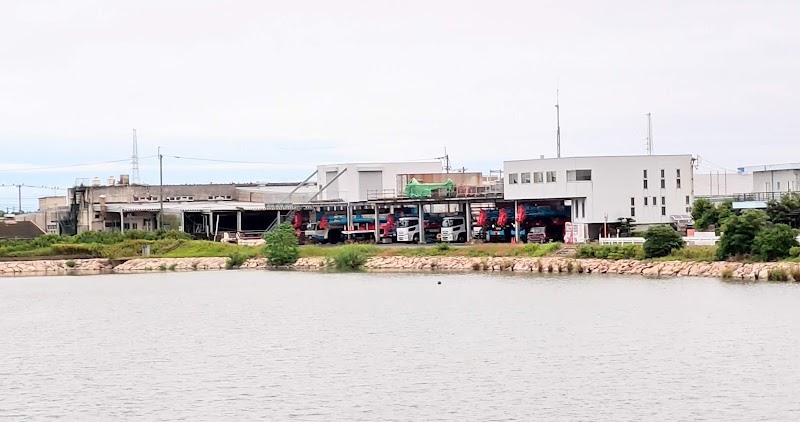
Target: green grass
point(207, 249)
point(481, 250)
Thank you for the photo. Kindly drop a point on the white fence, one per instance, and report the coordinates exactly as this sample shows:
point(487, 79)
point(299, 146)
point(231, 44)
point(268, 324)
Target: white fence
point(690, 240)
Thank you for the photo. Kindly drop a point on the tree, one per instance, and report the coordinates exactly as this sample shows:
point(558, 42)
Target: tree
point(778, 211)
point(704, 213)
point(739, 233)
point(775, 242)
point(281, 247)
point(724, 211)
point(661, 241)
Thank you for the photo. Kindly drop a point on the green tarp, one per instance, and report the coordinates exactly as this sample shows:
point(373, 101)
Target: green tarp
point(415, 189)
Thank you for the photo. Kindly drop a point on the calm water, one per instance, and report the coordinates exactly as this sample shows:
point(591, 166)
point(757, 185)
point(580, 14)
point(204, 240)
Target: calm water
point(377, 347)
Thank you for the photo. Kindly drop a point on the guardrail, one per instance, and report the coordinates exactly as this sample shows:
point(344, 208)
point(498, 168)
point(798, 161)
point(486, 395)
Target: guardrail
point(690, 240)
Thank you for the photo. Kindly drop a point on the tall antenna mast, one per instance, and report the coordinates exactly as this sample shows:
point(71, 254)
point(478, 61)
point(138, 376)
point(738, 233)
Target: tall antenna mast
point(135, 160)
point(649, 135)
point(558, 127)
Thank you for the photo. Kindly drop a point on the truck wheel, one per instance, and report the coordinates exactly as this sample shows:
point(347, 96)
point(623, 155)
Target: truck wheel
point(462, 238)
point(415, 239)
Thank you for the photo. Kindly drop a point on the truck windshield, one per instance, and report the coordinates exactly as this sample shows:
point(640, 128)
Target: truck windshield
point(537, 230)
point(450, 222)
point(407, 222)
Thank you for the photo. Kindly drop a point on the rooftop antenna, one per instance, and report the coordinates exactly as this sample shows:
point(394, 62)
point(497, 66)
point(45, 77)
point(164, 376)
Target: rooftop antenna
point(558, 127)
point(135, 160)
point(649, 135)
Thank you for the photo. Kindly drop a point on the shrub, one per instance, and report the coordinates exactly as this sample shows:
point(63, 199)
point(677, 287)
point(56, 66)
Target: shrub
point(235, 259)
point(77, 249)
point(281, 247)
point(695, 253)
point(70, 264)
point(727, 273)
point(794, 251)
point(739, 233)
point(777, 274)
point(611, 252)
point(172, 267)
point(704, 213)
point(443, 248)
point(105, 238)
point(351, 257)
point(162, 267)
point(774, 242)
point(586, 251)
point(661, 241)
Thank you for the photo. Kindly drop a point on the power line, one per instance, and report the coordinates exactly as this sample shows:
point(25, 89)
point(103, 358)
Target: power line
point(67, 165)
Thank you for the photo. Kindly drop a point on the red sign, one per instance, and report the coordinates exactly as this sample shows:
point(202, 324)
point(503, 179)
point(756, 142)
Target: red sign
point(520, 213)
point(502, 217)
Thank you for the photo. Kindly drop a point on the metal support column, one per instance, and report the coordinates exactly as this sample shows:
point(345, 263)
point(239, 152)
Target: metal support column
point(516, 223)
point(468, 220)
point(421, 226)
point(377, 225)
point(238, 221)
point(349, 223)
point(122, 221)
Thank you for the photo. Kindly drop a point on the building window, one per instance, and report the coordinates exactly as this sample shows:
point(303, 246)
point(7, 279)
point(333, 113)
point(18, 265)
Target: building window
point(678, 183)
point(688, 201)
point(663, 200)
point(645, 174)
point(526, 177)
point(579, 175)
point(551, 177)
point(655, 201)
point(633, 212)
point(663, 210)
point(662, 173)
point(512, 178)
point(633, 201)
point(678, 173)
point(663, 184)
point(779, 187)
point(538, 177)
point(97, 216)
point(645, 201)
point(645, 183)
point(768, 187)
point(583, 209)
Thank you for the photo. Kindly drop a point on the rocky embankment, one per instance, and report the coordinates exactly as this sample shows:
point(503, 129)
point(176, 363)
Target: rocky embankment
point(734, 270)
point(50, 267)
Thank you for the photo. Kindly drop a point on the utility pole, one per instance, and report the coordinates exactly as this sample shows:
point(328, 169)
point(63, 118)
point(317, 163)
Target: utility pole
point(558, 127)
point(649, 135)
point(19, 192)
point(160, 189)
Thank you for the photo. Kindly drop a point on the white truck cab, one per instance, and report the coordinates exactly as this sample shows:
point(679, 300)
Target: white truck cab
point(407, 229)
point(454, 229)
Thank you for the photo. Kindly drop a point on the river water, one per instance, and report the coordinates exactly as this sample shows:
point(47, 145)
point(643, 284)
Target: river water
point(280, 346)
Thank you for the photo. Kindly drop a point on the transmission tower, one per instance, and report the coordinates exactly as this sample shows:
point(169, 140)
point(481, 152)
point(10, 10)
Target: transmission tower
point(135, 160)
point(649, 135)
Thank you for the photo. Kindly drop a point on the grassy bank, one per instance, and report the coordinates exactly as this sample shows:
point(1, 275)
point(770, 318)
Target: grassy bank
point(442, 249)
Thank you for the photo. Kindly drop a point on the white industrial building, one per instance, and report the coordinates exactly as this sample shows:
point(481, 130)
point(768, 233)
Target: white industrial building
point(360, 182)
point(651, 189)
point(775, 177)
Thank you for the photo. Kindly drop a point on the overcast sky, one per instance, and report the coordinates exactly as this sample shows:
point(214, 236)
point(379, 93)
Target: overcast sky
point(296, 83)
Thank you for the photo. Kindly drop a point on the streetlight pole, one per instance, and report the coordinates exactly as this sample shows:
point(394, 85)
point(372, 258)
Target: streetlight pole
point(160, 189)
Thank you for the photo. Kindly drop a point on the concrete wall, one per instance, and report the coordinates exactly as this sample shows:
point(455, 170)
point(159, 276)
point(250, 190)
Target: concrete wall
point(50, 202)
point(347, 186)
point(46, 219)
point(614, 181)
point(776, 181)
point(272, 194)
point(722, 184)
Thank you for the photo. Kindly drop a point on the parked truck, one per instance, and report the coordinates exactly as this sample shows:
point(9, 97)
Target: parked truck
point(534, 221)
point(332, 228)
point(408, 229)
point(454, 229)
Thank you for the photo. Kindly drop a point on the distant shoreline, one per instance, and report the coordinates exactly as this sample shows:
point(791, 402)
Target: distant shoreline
point(727, 270)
